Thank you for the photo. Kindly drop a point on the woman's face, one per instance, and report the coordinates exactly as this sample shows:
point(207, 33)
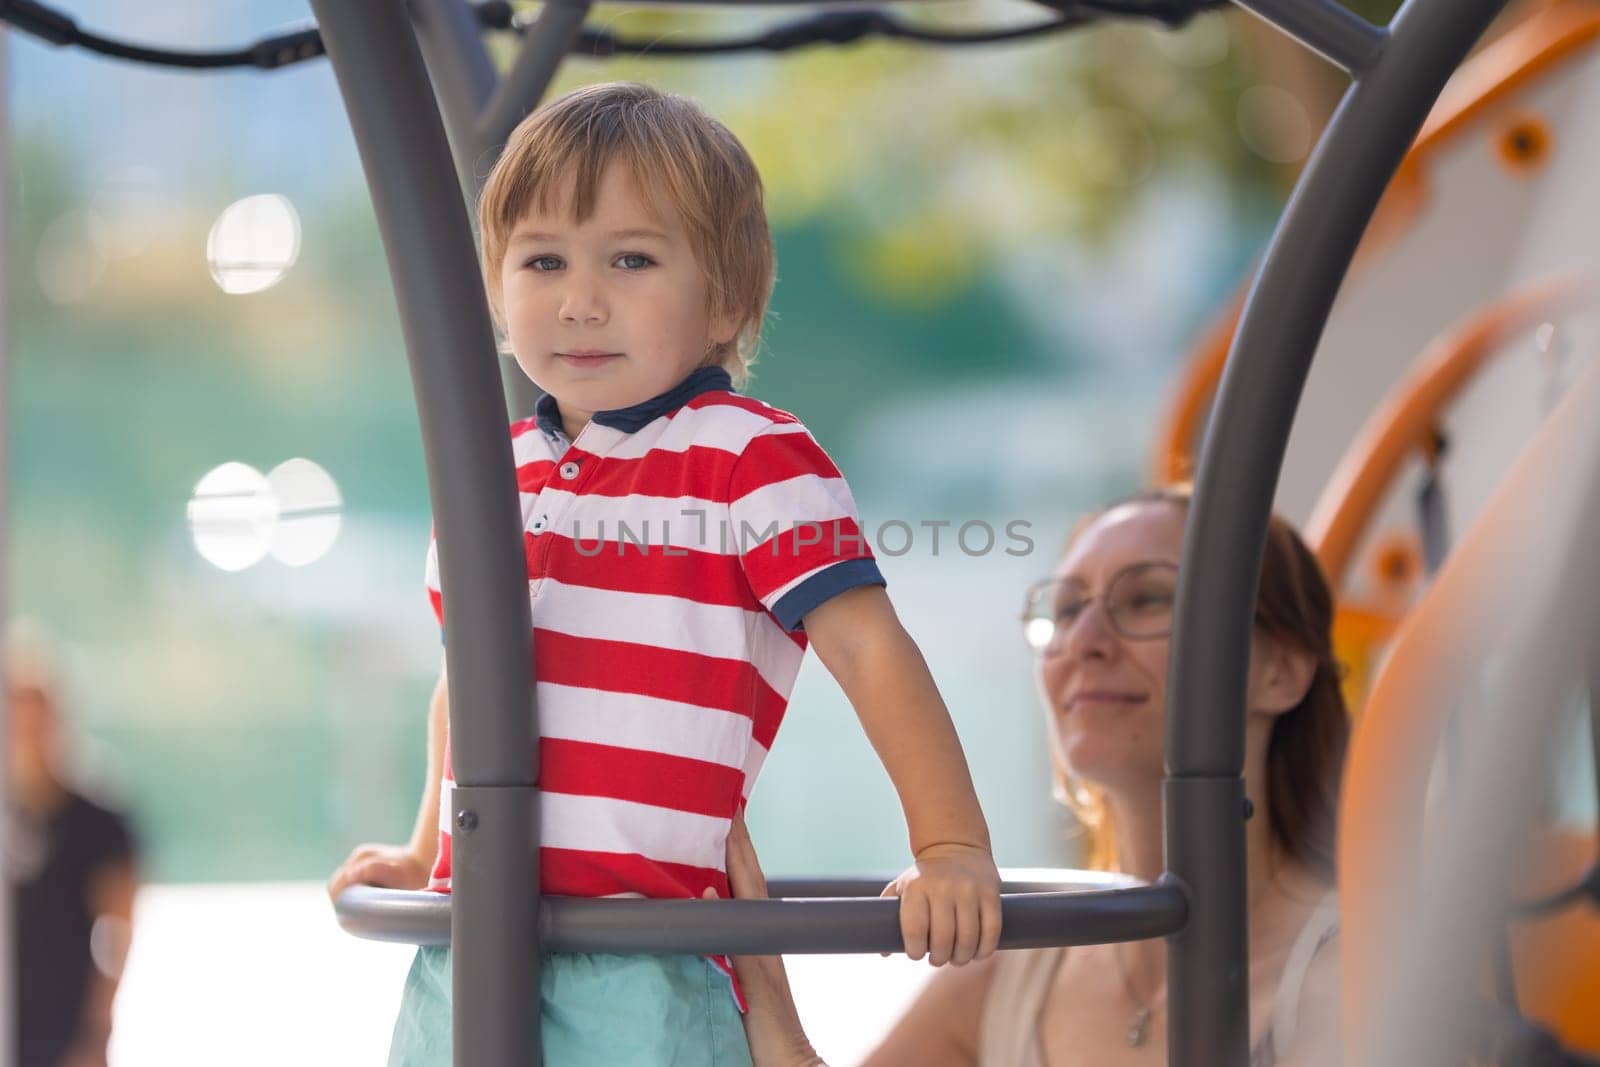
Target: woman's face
point(1105, 693)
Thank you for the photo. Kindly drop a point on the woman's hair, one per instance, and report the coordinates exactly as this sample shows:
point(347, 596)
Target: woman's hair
point(1306, 749)
point(680, 159)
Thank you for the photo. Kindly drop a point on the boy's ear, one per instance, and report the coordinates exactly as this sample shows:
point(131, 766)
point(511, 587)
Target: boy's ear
point(724, 327)
point(1280, 675)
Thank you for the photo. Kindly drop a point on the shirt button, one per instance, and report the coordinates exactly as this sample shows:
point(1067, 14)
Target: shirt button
point(569, 471)
point(540, 523)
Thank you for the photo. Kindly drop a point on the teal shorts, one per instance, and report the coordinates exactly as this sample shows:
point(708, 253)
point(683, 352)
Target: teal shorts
point(595, 1011)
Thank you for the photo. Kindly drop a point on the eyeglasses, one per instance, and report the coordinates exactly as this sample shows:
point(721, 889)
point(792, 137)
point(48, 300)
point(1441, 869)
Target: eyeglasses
point(1137, 601)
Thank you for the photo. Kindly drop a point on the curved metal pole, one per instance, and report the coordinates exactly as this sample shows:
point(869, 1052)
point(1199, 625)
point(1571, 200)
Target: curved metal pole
point(481, 109)
point(464, 78)
point(1326, 27)
point(1237, 478)
point(546, 44)
point(860, 922)
point(472, 484)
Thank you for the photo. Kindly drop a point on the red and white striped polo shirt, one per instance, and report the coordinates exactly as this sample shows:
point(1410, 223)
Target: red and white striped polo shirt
point(673, 550)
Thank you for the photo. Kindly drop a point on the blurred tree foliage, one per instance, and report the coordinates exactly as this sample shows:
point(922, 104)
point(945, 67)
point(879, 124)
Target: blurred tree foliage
point(939, 159)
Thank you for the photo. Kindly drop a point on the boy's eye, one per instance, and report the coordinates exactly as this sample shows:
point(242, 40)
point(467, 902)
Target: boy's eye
point(544, 263)
point(634, 261)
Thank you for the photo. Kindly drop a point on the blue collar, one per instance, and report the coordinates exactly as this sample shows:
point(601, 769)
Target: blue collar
point(636, 417)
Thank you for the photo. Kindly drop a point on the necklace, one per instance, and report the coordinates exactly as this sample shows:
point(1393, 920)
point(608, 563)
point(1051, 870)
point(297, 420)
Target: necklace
point(1139, 1029)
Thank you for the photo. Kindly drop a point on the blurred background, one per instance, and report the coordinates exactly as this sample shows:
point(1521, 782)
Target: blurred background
point(991, 262)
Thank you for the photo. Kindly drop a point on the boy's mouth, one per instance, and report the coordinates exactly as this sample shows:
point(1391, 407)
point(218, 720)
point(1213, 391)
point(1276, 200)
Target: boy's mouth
point(587, 357)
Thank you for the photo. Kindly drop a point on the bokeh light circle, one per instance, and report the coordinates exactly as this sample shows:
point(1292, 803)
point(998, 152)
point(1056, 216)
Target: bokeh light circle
point(253, 243)
point(232, 514)
point(308, 511)
point(1274, 124)
point(69, 260)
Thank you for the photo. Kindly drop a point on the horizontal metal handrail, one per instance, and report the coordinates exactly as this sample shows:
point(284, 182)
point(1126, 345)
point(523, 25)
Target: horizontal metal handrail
point(1012, 880)
point(839, 915)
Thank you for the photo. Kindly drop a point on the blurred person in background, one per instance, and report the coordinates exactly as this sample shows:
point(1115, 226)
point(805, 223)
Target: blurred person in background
point(71, 869)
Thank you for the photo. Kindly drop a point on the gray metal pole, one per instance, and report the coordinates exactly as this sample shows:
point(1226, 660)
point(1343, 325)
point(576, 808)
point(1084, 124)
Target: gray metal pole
point(481, 109)
point(1326, 27)
point(547, 43)
point(488, 642)
point(1243, 452)
point(463, 79)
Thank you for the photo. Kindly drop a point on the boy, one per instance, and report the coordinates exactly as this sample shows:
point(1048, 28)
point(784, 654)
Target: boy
point(685, 544)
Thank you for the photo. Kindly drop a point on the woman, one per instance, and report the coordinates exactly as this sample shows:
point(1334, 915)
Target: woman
point(1101, 627)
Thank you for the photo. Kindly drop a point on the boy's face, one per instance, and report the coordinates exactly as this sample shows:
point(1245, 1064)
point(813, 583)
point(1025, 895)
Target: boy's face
point(611, 311)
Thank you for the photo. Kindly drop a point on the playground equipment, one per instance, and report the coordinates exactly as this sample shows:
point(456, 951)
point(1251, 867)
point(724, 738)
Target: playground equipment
point(1495, 186)
point(399, 65)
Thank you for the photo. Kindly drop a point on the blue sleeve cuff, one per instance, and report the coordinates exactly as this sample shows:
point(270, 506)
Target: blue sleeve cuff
point(823, 586)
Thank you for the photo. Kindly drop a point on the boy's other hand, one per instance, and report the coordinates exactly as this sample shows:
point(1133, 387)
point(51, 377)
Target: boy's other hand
point(949, 904)
point(385, 866)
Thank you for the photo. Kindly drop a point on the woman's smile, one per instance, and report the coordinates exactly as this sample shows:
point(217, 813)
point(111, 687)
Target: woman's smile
point(1098, 697)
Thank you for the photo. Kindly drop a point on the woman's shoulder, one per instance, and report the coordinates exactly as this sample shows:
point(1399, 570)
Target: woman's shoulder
point(1008, 1027)
point(1305, 1027)
point(1024, 971)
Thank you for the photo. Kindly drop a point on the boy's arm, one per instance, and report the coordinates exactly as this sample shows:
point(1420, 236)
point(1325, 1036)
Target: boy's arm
point(425, 831)
point(406, 866)
point(950, 898)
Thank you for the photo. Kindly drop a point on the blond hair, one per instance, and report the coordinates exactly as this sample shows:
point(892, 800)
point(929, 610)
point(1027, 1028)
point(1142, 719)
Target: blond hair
point(679, 157)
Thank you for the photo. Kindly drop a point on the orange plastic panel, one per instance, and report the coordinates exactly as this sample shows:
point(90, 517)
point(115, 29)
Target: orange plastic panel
point(1441, 643)
point(1557, 959)
point(1405, 421)
point(1526, 52)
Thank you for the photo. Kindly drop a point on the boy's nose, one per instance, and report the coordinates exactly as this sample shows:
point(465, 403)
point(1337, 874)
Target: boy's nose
point(582, 303)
